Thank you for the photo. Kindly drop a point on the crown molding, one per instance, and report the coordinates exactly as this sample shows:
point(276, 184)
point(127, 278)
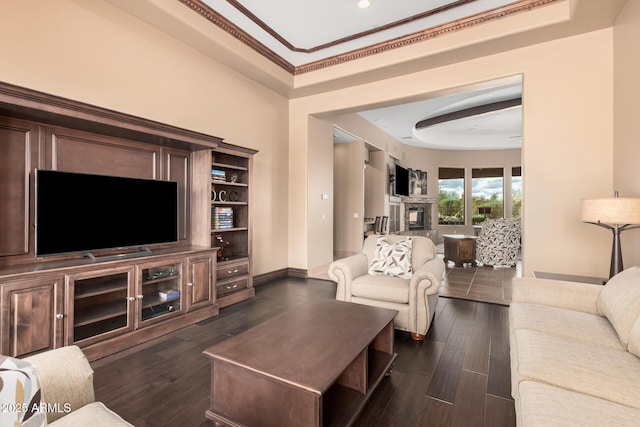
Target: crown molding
point(229, 27)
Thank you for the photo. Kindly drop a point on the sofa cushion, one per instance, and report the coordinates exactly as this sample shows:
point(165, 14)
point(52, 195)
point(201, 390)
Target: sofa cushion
point(546, 405)
point(596, 370)
point(392, 259)
point(620, 302)
point(381, 288)
point(563, 322)
point(92, 415)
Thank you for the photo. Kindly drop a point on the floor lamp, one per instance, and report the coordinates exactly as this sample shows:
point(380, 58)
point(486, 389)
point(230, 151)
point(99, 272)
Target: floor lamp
point(616, 214)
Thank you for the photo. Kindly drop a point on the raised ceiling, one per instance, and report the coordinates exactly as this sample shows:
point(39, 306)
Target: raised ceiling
point(457, 122)
point(303, 36)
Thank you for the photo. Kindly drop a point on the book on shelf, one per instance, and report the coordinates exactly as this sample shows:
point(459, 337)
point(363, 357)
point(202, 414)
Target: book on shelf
point(169, 294)
point(218, 175)
point(222, 217)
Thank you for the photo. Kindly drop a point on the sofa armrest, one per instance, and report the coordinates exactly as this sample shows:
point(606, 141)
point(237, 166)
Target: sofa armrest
point(66, 379)
point(344, 270)
point(429, 275)
point(575, 296)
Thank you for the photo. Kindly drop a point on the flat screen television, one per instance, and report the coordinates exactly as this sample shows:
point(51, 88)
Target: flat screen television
point(401, 181)
point(76, 212)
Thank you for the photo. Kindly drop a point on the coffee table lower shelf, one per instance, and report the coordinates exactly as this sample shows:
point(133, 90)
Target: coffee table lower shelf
point(328, 388)
point(342, 404)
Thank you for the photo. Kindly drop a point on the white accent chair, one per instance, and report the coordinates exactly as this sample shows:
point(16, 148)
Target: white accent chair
point(415, 299)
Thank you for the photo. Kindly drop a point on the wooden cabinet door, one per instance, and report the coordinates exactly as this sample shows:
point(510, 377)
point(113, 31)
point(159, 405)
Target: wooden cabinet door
point(200, 283)
point(19, 153)
point(32, 316)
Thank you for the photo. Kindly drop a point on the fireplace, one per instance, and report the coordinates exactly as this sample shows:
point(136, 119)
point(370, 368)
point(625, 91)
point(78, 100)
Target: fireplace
point(416, 218)
point(417, 214)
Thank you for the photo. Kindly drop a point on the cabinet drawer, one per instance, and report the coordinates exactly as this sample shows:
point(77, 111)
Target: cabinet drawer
point(226, 271)
point(233, 285)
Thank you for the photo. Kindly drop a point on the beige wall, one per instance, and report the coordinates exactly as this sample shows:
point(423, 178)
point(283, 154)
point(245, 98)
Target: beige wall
point(626, 159)
point(348, 160)
point(90, 51)
point(320, 183)
point(568, 130)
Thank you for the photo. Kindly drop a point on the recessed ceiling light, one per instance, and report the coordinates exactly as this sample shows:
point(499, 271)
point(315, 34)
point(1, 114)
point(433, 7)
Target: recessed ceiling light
point(363, 4)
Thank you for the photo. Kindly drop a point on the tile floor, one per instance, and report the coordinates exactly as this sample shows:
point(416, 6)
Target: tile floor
point(486, 284)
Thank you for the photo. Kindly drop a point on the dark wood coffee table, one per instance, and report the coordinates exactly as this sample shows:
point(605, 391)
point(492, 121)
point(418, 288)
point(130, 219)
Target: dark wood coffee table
point(314, 365)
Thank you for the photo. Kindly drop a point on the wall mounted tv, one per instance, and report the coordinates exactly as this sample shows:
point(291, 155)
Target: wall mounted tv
point(76, 213)
point(401, 181)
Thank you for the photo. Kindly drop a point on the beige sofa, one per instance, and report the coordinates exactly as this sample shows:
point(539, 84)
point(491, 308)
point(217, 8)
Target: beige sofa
point(415, 298)
point(575, 351)
point(57, 382)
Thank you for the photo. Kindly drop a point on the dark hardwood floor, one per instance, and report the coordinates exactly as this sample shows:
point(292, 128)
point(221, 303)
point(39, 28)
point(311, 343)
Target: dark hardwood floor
point(459, 376)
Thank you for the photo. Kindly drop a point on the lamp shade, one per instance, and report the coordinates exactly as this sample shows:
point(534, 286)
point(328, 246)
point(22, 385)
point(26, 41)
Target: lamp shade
point(618, 210)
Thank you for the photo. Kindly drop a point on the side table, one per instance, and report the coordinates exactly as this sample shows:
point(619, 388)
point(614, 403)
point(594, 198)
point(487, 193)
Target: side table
point(460, 249)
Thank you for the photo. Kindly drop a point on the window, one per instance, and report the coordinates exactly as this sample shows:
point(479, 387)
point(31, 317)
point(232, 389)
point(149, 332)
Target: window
point(487, 193)
point(450, 196)
point(516, 192)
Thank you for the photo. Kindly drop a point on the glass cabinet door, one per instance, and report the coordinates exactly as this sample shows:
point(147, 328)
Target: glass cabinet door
point(101, 305)
point(159, 291)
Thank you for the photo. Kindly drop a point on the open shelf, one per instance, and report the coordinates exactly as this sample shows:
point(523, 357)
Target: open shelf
point(231, 171)
point(225, 230)
point(379, 364)
point(340, 403)
point(228, 166)
point(232, 259)
point(229, 183)
point(229, 203)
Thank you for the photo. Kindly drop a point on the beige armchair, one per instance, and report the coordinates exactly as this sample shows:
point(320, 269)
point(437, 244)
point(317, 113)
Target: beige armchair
point(414, 297)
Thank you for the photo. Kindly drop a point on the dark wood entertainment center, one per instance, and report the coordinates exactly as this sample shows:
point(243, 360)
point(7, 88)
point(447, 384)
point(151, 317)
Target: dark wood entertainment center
point(124, 297)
